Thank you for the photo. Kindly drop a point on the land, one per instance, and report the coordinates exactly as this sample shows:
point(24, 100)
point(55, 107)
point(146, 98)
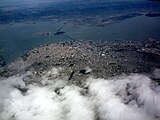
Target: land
point(2, 62)
point(82, 59)
point(153, 14)
point(92, 13)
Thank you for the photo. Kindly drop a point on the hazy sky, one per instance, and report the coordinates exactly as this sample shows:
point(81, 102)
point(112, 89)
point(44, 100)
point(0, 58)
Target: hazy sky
point(15, 1)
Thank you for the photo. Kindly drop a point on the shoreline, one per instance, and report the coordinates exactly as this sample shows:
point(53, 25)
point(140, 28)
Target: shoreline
point(102, 59)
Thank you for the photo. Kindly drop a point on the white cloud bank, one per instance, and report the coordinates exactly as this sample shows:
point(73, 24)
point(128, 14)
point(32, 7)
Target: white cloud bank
point(133, 97)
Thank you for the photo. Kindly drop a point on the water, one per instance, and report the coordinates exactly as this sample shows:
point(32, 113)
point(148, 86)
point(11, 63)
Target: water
point(18, 38)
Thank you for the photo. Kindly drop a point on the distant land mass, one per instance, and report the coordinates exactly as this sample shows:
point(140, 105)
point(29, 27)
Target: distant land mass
point(82, 12)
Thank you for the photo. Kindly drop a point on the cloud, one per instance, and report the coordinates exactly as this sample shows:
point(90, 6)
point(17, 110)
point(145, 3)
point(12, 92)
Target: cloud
point(134, 97)
point(77, 106)
point(109, 94)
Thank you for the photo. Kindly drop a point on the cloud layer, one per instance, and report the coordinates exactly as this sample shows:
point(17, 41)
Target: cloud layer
point(134, 97)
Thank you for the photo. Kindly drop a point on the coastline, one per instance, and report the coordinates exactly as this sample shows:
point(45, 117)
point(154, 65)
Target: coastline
point(102, 59)
point(92, 73)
